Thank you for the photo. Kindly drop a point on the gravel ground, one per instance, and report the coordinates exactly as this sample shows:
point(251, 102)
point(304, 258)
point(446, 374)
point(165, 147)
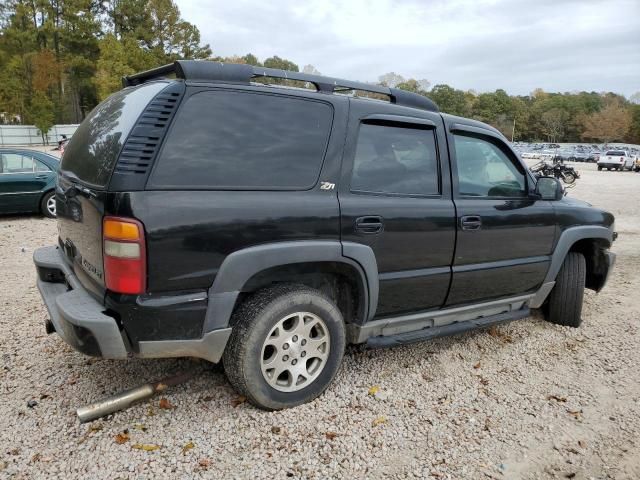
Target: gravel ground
point(525, 400)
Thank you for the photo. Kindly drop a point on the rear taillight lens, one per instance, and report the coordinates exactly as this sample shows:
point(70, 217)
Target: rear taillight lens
point(125, 267)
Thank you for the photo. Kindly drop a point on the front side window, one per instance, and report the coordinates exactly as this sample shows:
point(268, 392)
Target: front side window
point(238, 140)
point(395, 160)
point(484, 170)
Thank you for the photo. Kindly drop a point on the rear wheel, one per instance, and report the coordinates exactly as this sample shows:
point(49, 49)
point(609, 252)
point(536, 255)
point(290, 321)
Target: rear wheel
point(564, 305)
point(48, 205)
point(569, 178)
point(599, 168)
point(286, 347)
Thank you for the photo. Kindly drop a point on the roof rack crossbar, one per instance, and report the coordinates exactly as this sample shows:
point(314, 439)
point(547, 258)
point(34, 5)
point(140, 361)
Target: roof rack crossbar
point(198, 70)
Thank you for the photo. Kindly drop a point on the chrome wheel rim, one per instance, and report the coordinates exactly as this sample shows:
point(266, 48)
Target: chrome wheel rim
point(295, 352)
point(51, 205)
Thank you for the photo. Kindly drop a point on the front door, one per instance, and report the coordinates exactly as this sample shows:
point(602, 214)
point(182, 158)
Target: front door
point(505, 236)
point(395, 197)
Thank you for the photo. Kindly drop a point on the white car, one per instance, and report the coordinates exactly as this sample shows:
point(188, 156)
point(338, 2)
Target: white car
point(616, 159)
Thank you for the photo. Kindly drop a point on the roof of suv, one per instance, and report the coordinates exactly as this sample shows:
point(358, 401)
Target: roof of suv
point(208, 71)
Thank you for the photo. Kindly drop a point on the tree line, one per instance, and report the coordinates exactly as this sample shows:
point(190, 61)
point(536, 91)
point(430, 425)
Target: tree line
point(60, 58)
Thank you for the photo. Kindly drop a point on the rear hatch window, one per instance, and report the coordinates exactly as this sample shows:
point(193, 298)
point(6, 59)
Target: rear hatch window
point(93, 150)
point(616, 153)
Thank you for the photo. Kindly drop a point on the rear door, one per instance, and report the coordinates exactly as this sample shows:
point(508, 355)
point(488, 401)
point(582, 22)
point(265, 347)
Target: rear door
point(395, 197)
point(505, 236)
point(20, 182)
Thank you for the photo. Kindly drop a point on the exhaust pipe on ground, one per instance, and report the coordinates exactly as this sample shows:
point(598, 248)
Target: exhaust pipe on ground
point(127, 398)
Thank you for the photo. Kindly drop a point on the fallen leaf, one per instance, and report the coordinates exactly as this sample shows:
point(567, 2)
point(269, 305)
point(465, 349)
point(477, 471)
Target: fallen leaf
point(96, 428)
point(150, 412)
point(147, 447)
point(166, 404)
point(239, 400)
point(276, 430)
point(557, 398)
point(121, 438)
point(477, 365)
point(576, 413)
point(494, 332)
point(204, 462)
point(330, 435)
point(188, 447)
point(161, 387)
point(373, 390)
point(380, 421)
point(35, 457)
point(140, 426)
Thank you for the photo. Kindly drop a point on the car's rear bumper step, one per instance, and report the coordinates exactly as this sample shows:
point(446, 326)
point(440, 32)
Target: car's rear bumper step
point(81, 320)
point(445, 330)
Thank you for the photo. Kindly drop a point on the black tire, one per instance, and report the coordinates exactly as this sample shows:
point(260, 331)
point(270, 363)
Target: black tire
point(599, 168)
point(569, 178)
point(252, 323)
point(564, 305)
point(44, 207)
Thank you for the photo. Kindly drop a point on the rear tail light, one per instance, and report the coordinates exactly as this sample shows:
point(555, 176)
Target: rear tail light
point(125, 265)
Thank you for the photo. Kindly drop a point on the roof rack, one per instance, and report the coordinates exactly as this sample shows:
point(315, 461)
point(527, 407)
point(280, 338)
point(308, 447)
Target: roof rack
point(208, 71)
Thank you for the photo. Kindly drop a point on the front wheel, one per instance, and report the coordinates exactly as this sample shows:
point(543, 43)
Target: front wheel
point(568, 178)
point(48, 205)
point(286, 346)
point(564, 305)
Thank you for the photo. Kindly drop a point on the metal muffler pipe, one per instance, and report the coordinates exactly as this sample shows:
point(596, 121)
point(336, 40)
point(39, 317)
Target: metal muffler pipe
point(127, 398)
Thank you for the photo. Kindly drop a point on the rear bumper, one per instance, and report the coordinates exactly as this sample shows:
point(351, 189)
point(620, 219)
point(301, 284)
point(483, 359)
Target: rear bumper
point(81, 320)
point(610, 165)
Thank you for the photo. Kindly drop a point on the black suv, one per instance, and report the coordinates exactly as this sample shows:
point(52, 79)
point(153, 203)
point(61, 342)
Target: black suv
point(268, 218)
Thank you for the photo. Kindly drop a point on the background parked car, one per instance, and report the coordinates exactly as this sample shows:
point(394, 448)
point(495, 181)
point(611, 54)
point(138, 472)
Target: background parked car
point(27, 182)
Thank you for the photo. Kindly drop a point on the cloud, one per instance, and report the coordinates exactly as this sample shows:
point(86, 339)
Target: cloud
point(480, 44)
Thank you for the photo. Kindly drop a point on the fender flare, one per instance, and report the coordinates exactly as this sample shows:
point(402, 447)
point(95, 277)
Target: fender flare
point(238, 267)
point(567, 239)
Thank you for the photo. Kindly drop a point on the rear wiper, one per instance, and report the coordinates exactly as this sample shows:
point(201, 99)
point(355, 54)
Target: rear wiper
point(76, 186)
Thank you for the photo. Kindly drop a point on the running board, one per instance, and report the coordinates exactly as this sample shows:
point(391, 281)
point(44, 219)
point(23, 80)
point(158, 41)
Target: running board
point(445, 330)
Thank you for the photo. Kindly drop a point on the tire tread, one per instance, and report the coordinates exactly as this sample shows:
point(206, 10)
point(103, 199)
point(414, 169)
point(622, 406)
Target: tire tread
point(565, 300)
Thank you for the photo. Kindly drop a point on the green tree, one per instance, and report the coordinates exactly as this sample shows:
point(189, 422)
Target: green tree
point(280, 63)
point(450, 100)
point(40, 113)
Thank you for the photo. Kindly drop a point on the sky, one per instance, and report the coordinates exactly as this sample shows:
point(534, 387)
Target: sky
point(516, 45)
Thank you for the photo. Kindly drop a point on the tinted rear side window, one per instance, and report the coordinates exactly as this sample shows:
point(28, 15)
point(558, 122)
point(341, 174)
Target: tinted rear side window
point(94, 147)
point(240, 140)
point(395, 160)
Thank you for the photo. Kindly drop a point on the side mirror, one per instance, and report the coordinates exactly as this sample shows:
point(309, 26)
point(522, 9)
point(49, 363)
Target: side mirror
point(549, 188)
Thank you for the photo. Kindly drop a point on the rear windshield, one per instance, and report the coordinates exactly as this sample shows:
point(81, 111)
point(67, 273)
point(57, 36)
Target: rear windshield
point(616, 153)
point(94, 148)
point(240, 140)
